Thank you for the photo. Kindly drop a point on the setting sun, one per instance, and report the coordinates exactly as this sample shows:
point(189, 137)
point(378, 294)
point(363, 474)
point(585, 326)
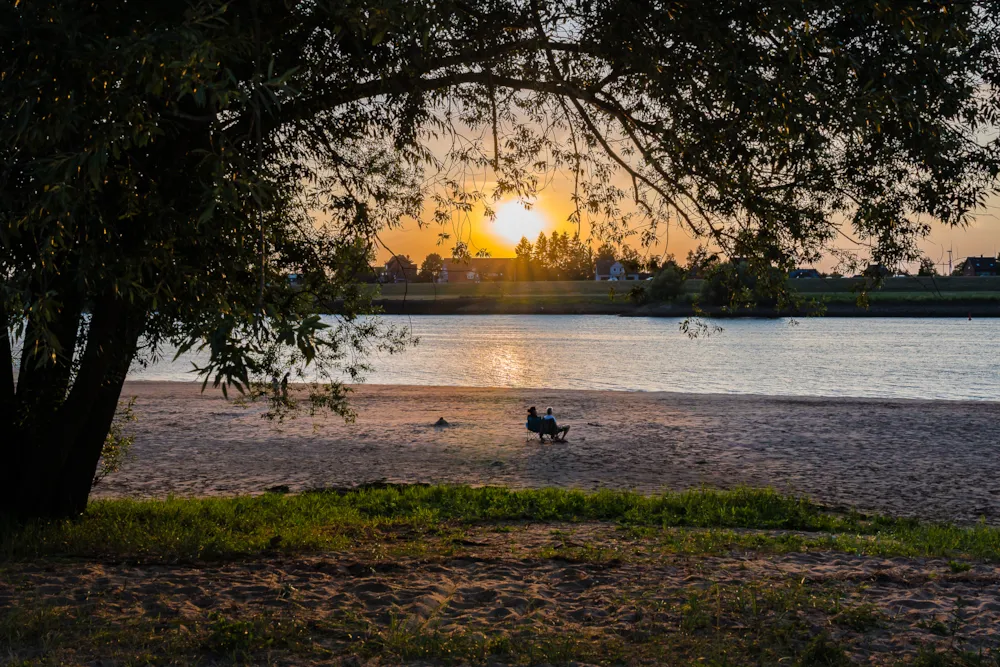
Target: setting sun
point(513, 221)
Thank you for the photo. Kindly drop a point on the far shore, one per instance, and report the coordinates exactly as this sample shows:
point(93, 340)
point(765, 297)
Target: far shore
point(959, 308)
point(911, 296)
point(930, 459)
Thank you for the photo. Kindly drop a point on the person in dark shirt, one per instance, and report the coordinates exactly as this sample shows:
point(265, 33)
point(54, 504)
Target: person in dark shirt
point(554, 428)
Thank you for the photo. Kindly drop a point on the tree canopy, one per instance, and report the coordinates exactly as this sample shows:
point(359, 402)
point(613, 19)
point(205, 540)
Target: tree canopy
point(165, 166)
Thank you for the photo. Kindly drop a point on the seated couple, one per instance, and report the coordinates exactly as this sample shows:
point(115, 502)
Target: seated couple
point(546, 425)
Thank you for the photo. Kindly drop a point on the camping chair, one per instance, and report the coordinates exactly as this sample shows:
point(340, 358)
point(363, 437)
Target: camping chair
point(534, 427)
point(543, 427)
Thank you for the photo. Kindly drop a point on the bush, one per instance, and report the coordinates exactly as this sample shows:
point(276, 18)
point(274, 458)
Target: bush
point(737, 286)
point(668, 284)
point(638, 295)
point(117, 449)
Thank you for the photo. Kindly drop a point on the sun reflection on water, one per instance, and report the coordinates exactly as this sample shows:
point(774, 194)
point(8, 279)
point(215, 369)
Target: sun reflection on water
point(508, 363)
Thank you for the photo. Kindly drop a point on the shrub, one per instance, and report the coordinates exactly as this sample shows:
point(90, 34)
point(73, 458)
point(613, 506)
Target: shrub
point(737, 286)
point(117, 450)
point(668, 284)
point(638, 295)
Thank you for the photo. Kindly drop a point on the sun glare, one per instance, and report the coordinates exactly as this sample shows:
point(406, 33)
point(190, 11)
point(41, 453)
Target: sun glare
point(513, 221)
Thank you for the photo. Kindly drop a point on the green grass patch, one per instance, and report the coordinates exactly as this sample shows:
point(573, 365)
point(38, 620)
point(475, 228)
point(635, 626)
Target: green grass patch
point(219, 528)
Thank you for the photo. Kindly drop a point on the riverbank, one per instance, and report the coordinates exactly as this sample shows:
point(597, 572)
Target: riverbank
point(833, 297)
point(929, 459)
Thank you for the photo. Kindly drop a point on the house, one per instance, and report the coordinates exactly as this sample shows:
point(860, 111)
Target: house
point(979, 266)
point(804, 273)
point(608, 270)
point(477, 269)
point(399, 269)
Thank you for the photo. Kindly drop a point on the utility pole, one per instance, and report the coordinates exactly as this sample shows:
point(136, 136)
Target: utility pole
point(949, 261)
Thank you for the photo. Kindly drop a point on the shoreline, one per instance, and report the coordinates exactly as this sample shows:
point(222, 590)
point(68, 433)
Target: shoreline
point(656, 393)
point(907, 457)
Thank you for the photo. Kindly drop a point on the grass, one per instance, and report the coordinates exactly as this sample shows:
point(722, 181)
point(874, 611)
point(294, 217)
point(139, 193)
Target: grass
point(220, 528)
point(736, 619)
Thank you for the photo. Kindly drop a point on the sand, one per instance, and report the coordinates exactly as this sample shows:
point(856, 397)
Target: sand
point(931, 459)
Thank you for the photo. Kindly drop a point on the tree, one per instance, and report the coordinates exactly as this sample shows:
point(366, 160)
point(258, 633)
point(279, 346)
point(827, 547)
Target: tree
point(579, 261)
point(159, 163)
point(541, 257)
point(605, 253)
point(668, 284)
point(523, 263)
point(927, 267)
point(700, 262)
point(431, 268)
point(630, 259)
point(557, 258)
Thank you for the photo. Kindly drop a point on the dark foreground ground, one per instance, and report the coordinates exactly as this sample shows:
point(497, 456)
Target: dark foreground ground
point(464, 577)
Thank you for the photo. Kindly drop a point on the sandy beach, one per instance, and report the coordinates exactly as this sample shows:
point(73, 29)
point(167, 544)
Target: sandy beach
point(934, 460)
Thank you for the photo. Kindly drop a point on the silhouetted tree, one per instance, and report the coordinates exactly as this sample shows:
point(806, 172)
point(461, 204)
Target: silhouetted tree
point(700, 262)
point(523, 263)
point(541, 257)
point(668, 283)
point(155, 158)
point(430, 269)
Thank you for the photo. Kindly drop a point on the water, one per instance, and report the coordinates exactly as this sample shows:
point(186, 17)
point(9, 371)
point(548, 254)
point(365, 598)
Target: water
point(862, 357)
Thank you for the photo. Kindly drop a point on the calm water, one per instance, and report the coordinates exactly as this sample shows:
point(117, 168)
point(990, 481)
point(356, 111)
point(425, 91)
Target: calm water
point(876, 357)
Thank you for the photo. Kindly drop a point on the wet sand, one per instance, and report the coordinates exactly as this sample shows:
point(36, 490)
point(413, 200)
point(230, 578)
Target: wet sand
point(931, 459)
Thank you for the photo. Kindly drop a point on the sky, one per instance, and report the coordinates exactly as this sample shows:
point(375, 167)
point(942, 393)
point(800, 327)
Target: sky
point(550, 211)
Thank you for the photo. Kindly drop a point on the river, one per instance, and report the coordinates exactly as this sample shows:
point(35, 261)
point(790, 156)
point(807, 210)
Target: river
point(951, 359)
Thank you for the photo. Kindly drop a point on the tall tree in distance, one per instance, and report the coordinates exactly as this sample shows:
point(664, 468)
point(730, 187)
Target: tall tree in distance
point(541, 257)
point(431, 267)
point(579, 261)
point(523, 260)
point(927, 267)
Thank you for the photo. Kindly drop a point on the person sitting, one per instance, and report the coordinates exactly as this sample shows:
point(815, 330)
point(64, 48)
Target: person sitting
point(534, 423)
point(550, 426)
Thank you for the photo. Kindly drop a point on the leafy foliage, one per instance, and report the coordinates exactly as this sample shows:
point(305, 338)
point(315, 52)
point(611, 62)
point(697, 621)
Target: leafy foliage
point(668, 284)
point(166, 166)
point(431, 267)
point(117, 450)
point(927, 267)
point(556, 257)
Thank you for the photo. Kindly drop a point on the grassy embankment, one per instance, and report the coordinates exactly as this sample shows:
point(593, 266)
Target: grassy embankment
point(591, 296)
point(670, 599)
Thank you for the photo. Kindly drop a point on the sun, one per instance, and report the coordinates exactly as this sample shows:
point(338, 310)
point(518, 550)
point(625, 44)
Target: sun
point(513, 221)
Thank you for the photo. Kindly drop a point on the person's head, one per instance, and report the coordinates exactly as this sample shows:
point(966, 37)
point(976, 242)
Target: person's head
point(548, 411)
point(532, 410)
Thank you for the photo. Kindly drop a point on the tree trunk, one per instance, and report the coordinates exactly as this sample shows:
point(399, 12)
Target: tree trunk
point(57, 437)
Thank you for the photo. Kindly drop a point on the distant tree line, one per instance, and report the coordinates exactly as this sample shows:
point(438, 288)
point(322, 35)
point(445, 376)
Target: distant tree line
point(556, 257)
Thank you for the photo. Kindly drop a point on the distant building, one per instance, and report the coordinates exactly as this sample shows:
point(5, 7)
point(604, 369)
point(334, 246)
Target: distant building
point(477, 269)
point(399, 269)
point(804, 273)
point(979, 266)
point(608, 270)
